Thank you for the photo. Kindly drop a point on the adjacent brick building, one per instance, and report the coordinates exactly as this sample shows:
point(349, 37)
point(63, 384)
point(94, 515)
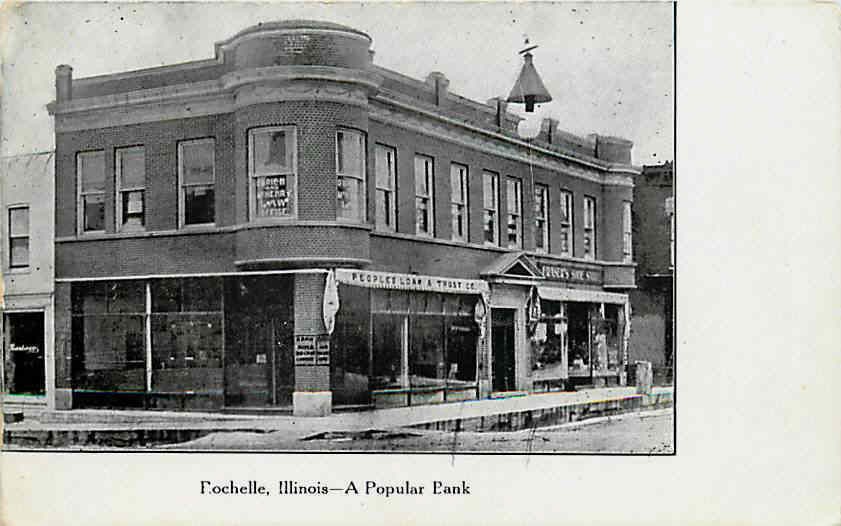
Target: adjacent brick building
point(212, 216)
point(652, 304)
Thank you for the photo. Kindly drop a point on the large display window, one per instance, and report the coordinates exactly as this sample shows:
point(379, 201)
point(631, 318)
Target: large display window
point(23, 364)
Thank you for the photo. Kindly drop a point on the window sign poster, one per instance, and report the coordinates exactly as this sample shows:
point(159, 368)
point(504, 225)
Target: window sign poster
point(273, 196)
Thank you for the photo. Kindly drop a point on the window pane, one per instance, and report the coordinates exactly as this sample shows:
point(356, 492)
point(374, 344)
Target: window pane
point(490, 226)
point(126, 297)
point(566, 207)
point(458, 226)
point(513, 193)
point(274, 196)
point(384, 207)
point(19, 252)
point(131, 167)
point(349, 198)
point(133, 209)
point(422, 217)
point(387, 351)
point(199, 205)
point(108, 353)
point(427, 362)
point(197, 158)
point(385, 167)
point(92, 171)
point(272, 151)
point(186, 341)
point(94, 212)
point(490, 191)
point(458, 183)
point(350, 150)
point(19, 222)
point(423, 175)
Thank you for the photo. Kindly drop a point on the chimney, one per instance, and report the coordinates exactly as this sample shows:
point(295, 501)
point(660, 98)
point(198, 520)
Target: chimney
point(63, 83)
point(439, 84)
point(498, 104)
point(547, 129)
point(370, 56)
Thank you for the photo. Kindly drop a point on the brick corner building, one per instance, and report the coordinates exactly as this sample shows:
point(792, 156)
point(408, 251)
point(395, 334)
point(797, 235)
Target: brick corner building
point(288, 225)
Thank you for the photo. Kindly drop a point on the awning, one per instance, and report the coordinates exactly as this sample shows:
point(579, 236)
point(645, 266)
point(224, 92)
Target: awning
point(396, 281)
point(590, 296)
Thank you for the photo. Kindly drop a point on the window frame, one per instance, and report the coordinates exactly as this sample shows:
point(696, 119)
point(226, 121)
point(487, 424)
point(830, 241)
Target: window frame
point(494, 178)
point(291, 175)
point(429, 176)
point(590, 215)
point(517, 185)
point(392, 191)
point(361, 177)
point(541, 193)
point(182, 186)
point(627, 234)
point(119, 189)
point(462, 172)
point(12, 237)
point(81, 194)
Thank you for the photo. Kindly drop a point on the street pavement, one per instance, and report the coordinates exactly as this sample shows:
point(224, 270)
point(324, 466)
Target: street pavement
point(637, 433)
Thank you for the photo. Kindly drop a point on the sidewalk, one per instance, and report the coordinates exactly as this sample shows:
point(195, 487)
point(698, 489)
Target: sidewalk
point(84, 427)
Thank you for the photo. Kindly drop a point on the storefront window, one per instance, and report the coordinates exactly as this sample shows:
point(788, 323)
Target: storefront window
point(349, 352)
point(614, 327)
point(578, 353)
point(387, 349)
point(350, 173)
point(187, 335)
point(24, 359)
point(550, 346)
point(272, 169)
point(108, 334)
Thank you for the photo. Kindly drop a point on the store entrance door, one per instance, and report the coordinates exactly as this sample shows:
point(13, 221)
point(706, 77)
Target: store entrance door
point(259, 368)
point(24, 353)
point(502, 343)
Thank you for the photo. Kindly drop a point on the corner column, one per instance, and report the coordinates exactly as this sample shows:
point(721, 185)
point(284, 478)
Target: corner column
point(312, 395)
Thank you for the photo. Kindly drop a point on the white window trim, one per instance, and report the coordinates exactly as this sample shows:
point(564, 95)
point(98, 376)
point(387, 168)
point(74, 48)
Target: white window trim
point(252, 177)
point(11, 237)
point(80, 195)
point(119, 189)
point(590, 225)
point(568, 203)
point(518, 217)
point(363, 192)
point(544, 191)
point(495, 201)
point(627, 232)
point(182, 210)
point(392, 179)
point(429, 175)
point(463, 174)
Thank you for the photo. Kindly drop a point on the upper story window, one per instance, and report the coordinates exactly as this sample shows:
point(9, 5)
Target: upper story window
point(566, 229)
point(514, 199)
point(490, 217)
point(19, 236)
point(131, 188)
point(90, 196)
point(350, 172)
point(458, 200)
point(196, 179)
point(272, 169)
point(589, 227)
point(385, 160)
point(424, 213)
point(670, 214)
point(626, 232)
point(541, 217)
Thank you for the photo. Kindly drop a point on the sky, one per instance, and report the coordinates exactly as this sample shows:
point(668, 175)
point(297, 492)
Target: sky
point(608, 66)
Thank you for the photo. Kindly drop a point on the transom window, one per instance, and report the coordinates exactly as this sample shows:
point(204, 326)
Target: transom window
point(350, 174)
point(490, 190)
point(90, 196)
point(272, 168)
point(424, 212)
point(566, 223)
point(514, 226)
point(131, 188)
point(385, 159)
point(196, 175)
point(19, 236)
point(458, 201)
point(589, 228)
point(541, 217)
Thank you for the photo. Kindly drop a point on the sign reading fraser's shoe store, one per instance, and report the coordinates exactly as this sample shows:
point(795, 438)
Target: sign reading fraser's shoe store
point(312, 350)
point(392, 280)
point(564, 273)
